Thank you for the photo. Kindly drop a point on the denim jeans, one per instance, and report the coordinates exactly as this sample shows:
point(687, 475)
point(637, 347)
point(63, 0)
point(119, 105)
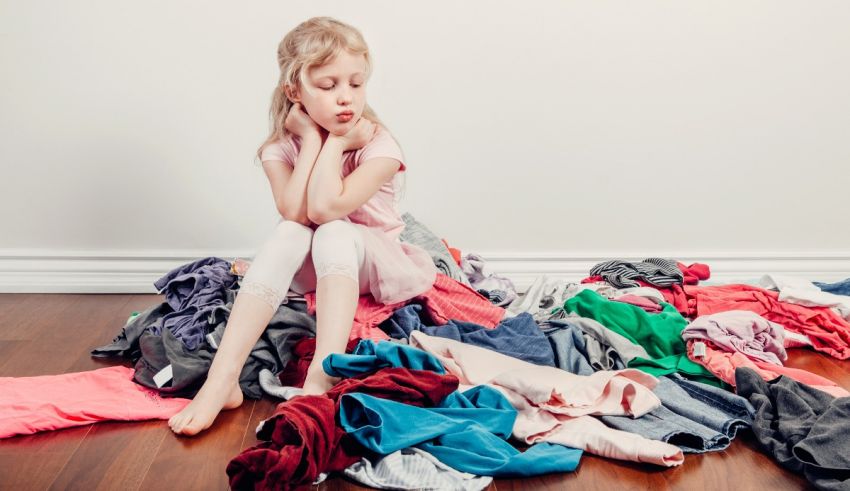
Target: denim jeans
point(693, 416)
point(838, 288)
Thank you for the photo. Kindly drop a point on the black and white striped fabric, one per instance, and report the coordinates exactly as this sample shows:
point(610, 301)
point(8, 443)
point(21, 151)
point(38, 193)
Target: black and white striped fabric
point(656, 271)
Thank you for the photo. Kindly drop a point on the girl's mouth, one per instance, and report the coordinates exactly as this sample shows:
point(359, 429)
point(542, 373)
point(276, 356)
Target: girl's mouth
point(344, 118)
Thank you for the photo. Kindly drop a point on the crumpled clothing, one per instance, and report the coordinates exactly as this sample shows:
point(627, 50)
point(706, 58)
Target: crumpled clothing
point(827, 331)
point(473, 266)
point(838, 288)
point(467, 431)
point(416, 233)
point(695, 417)
point(303, 439)
point(151, 353)
point(723, 364)
point(803, 292)
point(413, 468)
point(644, 303)
point(518, 337)
point(659, 334)
point(295, 372)
point(196, 293)
point(805, 430)
point(446, 300)
point(743, 331)
point(622, 274)
point(370, 356)
point(556, 406)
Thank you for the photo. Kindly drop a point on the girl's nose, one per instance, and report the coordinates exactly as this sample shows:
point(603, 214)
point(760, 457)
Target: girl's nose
point(344, 97)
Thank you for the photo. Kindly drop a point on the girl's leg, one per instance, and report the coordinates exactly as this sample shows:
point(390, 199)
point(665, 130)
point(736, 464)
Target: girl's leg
point(338, 258)
point(263, 288)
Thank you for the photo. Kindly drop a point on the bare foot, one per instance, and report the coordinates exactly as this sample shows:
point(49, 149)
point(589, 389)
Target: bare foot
point(201, 412)
point(319, 382)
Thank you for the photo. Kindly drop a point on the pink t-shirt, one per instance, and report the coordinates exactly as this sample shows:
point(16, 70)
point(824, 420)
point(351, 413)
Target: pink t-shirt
point(380, 210)
point(395, 271)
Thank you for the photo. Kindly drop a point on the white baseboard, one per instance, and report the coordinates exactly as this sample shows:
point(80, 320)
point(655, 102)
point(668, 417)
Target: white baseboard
point(63, 271)
point(524, 268)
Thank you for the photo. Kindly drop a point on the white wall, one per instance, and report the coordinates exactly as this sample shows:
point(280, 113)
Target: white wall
point(548, 131)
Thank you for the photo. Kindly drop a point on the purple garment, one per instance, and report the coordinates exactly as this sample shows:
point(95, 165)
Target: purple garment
point(743, 331)
point(503, 289)
point(196, 292)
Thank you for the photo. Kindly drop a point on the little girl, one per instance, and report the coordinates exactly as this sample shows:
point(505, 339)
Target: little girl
point(332, 169)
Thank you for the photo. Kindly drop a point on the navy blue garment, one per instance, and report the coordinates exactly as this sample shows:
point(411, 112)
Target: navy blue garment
point(519, 337)
point(197, 294)
point(467, 431)
point(838, 288)
point(370, 356)
point(694, 417)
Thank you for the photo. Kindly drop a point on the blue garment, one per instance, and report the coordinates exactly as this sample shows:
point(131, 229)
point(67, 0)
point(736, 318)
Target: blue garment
point(197, 294)
point(370, 356)
point(693, 416)
point(838, 288)
point(569, 347)
point(519, 337)
point(467, 431)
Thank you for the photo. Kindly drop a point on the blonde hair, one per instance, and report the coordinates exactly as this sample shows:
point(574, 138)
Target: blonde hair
point(312, 43)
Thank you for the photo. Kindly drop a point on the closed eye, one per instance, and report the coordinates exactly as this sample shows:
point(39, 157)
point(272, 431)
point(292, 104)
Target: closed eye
point(332, 86)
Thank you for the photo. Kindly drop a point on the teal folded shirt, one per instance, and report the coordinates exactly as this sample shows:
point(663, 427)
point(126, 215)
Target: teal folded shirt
point(370, 356)
point(467, 431)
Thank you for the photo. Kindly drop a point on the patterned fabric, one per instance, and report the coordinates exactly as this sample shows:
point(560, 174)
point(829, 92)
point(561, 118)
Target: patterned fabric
point(656, 271)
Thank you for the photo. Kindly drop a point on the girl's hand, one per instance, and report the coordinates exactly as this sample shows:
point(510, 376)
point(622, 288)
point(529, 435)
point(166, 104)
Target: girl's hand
point(300, 123)
point(358, 136)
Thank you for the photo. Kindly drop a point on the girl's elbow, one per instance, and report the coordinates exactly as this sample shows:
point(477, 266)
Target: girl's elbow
point(302, 220)
point(288, 215)
point(320, 214)
point(317, 216)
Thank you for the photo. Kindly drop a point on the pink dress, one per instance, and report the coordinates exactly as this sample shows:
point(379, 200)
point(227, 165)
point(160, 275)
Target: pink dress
point(395, 271)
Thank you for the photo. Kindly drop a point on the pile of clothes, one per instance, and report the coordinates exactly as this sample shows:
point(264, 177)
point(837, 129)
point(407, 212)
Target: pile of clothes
point(636, 362)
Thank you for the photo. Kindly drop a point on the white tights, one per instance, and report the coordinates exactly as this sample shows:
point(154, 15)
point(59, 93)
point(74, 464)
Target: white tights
point(296, 257)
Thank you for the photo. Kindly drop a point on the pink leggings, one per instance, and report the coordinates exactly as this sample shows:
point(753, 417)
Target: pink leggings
point(295, 257)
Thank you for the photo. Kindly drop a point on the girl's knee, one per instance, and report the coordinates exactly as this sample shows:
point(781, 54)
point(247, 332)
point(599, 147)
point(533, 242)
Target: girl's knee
point(336, 242)
point(295, 233)
point(334, 231)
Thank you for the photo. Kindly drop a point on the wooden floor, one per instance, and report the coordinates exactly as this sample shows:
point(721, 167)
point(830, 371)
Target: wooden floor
point(43, 334)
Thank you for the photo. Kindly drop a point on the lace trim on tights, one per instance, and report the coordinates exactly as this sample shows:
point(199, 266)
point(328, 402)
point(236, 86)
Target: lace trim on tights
point(271, 296)
point(325, 269)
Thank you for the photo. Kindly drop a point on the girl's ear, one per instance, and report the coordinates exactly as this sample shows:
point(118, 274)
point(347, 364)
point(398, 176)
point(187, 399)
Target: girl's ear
point(293, 94)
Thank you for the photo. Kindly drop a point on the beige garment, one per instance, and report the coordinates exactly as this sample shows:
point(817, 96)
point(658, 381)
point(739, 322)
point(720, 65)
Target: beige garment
point(555, 406)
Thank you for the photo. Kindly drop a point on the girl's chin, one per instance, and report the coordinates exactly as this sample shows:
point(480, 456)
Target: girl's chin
point(340, 130)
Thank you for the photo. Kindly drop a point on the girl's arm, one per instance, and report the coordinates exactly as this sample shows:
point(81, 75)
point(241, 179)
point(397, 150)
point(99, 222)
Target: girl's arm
point(329, 197)
point(290, 191)
point(289, 184)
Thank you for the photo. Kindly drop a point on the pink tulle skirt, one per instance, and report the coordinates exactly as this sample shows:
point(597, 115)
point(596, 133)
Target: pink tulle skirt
point(393, 271)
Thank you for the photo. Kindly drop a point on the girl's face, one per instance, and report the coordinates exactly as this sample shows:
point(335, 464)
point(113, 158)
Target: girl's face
point(337, 92)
